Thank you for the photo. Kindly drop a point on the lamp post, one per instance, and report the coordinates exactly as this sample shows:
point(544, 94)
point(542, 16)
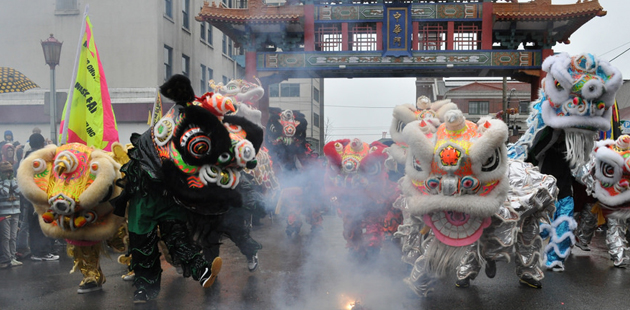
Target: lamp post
point(52, 52)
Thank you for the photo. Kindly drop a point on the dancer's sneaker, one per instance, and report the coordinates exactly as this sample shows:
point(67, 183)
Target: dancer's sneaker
point(129, 276)
point(89, 287)
point(582, 246)
point(140, 296)
point(47, 257)
point(209, 275)
point(252, 262)
point(463, 283)
point(15, 263)
point(491, 269)
point(529, 281)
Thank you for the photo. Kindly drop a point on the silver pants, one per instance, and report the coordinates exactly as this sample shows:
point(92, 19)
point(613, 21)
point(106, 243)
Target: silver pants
point(505, 233)
point(587, 226)
point(616, 241)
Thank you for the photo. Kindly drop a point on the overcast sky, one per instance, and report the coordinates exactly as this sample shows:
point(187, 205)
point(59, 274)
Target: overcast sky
point(606, 37)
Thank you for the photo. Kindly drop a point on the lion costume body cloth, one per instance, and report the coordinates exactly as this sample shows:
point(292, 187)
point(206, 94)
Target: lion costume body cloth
point(191, 159)
point(298, 169)
point(607, 177)
point(576, 101)
point(361, 191)
point(70, 187)
point(478, 205)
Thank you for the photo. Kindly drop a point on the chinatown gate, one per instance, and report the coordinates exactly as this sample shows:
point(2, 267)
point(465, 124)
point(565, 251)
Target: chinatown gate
point(352, 38)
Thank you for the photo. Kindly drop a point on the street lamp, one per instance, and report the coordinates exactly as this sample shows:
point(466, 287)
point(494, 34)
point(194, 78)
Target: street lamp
point(52, 52)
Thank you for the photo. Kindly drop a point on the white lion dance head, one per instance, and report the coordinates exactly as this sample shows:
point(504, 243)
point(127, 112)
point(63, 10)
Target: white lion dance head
point(577, 95)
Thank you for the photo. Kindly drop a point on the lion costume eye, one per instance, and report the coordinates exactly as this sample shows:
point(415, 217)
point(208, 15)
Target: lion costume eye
point(225, 158)
point(195, 142)
point(607, 170)
point(492, 163)
point(94, 168)
point(559, 86)
point(373, 169)
point(39, 165)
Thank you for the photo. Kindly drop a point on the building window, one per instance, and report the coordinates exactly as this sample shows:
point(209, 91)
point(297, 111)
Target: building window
point(363, 38)
point(168, 8)
point(431, 37)
point(225, 80)
point(230, 48)
point(478, 107)
point(289, 90)
point(316, 120)
point(467, 37)
point(209, 33)
point(328, 38)
point(66, 5)
point(185, 65)
point(204, 84)
point(185, 10)
point(168, 62)
point(224, 44)
point(274, 90)
point(316, 94)
point(210, 74)
point(202, 33)
point(206, 32)
point(523, 107)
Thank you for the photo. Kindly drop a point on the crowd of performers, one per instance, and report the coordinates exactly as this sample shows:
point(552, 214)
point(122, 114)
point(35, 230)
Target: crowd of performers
point(452, 193)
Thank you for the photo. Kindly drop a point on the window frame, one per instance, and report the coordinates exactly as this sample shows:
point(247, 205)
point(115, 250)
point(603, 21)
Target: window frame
point(186, 14)
point(168, 8)
point(274, 90)
point(477, 107)
point(290, 90)
point(186, 65)
point(168, 62)
point(203, 82)
point(521, 104)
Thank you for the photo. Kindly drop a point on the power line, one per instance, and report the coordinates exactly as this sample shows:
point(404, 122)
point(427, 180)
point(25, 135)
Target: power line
point(622, 45)
point(358, 128)
point(628, 49)
point(355, 134)
point(354, 106)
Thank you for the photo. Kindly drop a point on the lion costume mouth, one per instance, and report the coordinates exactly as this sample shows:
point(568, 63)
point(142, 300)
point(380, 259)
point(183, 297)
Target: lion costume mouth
point(456, 228)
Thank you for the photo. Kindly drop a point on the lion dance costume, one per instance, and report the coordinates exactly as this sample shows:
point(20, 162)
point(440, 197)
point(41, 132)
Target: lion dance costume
point(191, 159)
point(208, 229)
point(359, 187)
point(71, 187)
point(609, 182)
point(298, 169)
point(575, 103)
point(457, 183)
point(432, 113)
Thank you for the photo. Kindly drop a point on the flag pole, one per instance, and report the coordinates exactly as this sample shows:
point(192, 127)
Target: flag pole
point(66, 118)
point(155, 104)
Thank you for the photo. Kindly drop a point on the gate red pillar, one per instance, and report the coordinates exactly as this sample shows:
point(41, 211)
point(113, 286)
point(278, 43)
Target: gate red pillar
point(344, 36)
point(309, 27)
point(250, 66)
point(486, 26)
point(535, 86)
point(379, 36)
point(450, 35)
point(414, 40)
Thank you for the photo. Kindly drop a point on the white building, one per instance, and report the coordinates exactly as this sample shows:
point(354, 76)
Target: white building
point(141, 43)
point(306, 96)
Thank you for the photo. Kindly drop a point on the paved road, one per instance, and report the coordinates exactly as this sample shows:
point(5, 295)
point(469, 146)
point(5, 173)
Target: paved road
point(316, 273)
